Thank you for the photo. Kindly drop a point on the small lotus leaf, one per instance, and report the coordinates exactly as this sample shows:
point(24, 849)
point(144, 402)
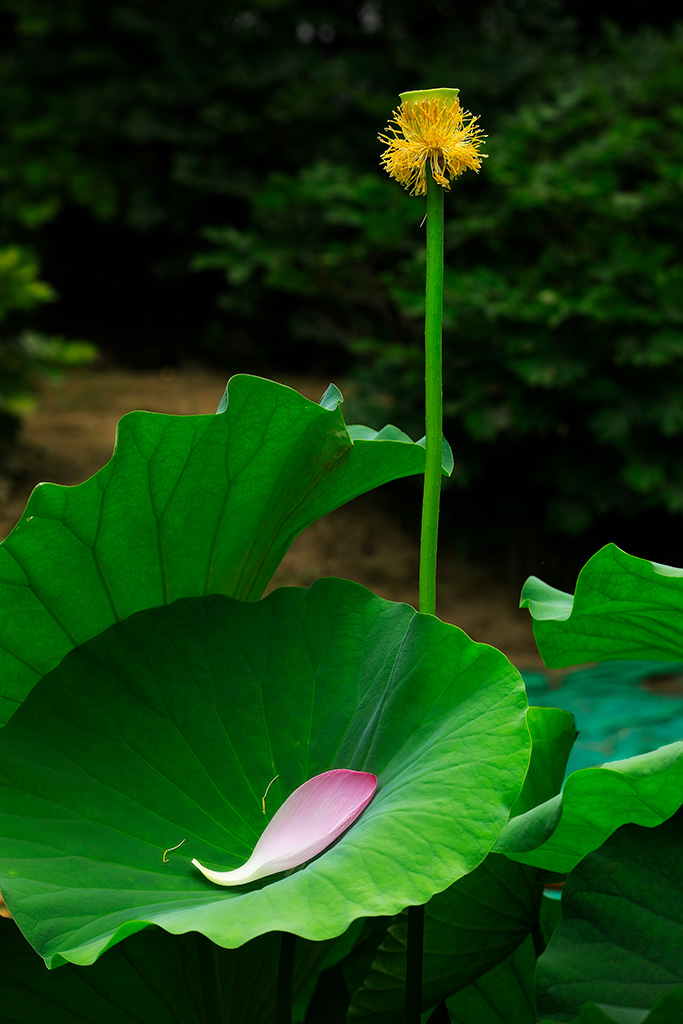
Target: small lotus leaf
point(595, 802)
point(624, 608)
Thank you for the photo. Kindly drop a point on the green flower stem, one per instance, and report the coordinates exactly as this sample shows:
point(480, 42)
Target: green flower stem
point(283, 1003)
point(210, 977)
point(414, 950)
point(433, 395)
point(430, 512)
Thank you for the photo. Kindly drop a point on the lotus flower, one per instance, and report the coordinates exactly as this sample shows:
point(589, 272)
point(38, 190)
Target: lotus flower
point(310, 819)
point(431, 126)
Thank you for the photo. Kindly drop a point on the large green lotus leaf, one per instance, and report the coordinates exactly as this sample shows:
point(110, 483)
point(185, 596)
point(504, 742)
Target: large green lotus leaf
point(595, 802)
point(620, 940)
point(187, 506)
point(624, 608)
point(481, 918)
point(169, 726)
point(504, 995)
point(153, 976)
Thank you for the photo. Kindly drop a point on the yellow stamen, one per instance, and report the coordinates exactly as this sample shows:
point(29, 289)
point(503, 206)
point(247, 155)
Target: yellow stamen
point(165, 858)
point(435, 129)
point(263, 798)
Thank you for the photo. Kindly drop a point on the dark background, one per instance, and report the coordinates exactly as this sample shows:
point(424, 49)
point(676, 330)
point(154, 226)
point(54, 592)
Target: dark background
point(200, 180)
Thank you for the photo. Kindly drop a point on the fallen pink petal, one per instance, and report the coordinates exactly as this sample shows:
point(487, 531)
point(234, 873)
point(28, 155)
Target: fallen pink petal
point(309, 821)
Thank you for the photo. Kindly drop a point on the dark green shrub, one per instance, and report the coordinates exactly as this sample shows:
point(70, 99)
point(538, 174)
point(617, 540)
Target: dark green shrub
point(328, 239)
point(26, 355)
point(129, 127)
point(563, 306)
point(565, 294)
point(564, 290)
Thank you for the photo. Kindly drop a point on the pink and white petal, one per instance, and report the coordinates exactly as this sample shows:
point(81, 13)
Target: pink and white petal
point(309, 821)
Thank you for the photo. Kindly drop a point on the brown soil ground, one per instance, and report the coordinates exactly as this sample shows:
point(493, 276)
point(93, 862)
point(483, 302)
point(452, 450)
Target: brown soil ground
point(70, 436)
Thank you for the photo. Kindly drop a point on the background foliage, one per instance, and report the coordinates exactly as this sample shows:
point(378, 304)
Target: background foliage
point(196, 178)
point(26, 355)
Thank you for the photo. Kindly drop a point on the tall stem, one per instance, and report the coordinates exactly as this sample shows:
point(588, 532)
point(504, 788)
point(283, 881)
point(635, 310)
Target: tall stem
point(430, 512)
point(210, 976)
point(283, 999)
point(413, 1007)
point(433, 395)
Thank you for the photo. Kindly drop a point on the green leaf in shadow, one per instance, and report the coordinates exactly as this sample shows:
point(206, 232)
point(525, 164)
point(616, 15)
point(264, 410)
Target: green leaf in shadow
point(621, 934)
point(504, 995)
point(170, 725)
point(153, 976)
point(469, 928)
point(667, 1010)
